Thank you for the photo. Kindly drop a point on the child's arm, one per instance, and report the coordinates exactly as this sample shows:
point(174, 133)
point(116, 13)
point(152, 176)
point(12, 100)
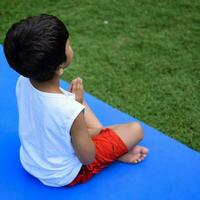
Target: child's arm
point(81, 139)
point(92, 122)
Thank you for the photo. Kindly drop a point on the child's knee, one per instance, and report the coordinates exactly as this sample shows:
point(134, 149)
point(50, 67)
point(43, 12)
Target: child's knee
point(137, 129)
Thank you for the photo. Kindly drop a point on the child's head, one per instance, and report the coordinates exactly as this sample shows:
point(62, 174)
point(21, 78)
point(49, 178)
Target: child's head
point(37, 46)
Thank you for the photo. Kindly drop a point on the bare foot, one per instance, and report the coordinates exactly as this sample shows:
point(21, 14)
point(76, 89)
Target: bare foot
point(135, 155)
point(140, 149)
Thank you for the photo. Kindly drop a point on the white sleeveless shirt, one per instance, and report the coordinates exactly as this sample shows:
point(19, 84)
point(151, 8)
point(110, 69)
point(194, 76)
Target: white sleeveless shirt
point(45, 120)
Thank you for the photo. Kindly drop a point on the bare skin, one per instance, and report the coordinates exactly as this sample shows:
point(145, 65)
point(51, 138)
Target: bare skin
point(130, 133)
point(135, 155)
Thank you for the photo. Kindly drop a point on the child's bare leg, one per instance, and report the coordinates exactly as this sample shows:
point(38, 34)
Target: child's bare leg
point(131, 134)
point(91, 120)
point(136, 153)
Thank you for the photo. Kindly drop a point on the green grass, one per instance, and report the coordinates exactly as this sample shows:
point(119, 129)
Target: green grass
point(145, 61)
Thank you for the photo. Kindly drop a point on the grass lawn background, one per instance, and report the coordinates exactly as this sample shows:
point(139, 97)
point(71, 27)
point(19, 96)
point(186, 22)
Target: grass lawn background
point(141, 57)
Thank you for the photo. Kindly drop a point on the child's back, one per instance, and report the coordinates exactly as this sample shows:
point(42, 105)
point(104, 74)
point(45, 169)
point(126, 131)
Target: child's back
point(44, 128)
point(59, 144)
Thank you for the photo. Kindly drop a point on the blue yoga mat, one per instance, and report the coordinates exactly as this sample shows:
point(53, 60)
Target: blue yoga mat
point(170, 172)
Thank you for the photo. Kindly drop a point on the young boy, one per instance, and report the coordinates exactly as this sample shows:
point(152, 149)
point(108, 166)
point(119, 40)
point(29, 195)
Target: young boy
point(62, 141)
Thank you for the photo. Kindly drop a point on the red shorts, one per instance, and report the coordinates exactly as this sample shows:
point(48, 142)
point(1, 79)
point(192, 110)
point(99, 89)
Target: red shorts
point(108, 148)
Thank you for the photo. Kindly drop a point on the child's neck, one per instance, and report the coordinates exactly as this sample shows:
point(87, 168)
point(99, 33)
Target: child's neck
point(51, 86)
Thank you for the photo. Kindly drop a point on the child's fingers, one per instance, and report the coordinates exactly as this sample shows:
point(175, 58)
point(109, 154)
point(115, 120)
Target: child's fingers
point(77, 89)
point(72, 88)
point(81, 87)
point(76, 84)
point(80, 80)
point(73, 85)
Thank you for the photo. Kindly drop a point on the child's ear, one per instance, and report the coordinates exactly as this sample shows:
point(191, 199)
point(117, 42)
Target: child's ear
point(60, 71)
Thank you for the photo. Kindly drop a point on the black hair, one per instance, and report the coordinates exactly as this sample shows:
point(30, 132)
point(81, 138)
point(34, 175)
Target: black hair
point(34, 47)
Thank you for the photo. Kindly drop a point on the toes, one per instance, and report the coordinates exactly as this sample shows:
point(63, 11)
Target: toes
point(140, 149)
point(141, 158)
point(138, 157)
point(136, 160)
point(145, 150)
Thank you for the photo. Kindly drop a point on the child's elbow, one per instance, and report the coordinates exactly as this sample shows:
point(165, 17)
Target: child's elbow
point(87, 162)
point(89, 158)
